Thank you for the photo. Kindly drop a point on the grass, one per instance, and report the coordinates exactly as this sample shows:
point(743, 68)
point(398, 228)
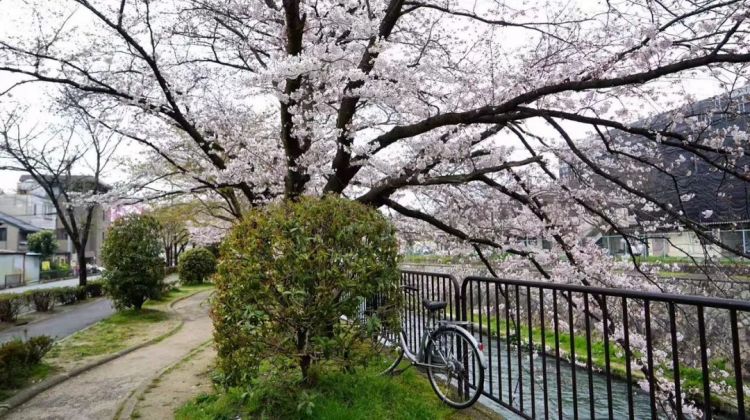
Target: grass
point(617, 360)
point(336, 395)
point(32, 375)
point(120, 330)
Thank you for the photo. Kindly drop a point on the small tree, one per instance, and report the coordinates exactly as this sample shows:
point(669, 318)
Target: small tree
point(132, 257)
point(195, 265)
point(288, 273)
point(44, 243)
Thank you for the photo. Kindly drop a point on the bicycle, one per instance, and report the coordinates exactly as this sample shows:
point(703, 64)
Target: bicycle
point(452, 357)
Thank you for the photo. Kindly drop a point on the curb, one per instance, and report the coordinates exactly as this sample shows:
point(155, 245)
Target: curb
point(25, 395)
point(126, 409)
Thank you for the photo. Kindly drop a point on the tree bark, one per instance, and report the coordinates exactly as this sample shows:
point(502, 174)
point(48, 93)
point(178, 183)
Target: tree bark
point(82, 274)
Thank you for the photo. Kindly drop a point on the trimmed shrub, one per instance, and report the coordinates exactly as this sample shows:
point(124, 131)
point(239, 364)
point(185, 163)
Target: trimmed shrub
point(196, 265)
point(287, 274)
point(10, 306)
point(66, 295)
point(55, 274)
point(95, 289)
point(132, 257)
point(18, 357)
point(81, 293)
point(172, 269)
point(43, 300)
point(37, 347)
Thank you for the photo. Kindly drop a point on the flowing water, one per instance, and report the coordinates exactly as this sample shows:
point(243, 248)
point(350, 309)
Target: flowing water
point(496, 384)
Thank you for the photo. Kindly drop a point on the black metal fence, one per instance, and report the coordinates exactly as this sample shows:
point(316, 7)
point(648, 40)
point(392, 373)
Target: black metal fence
point(569, 351)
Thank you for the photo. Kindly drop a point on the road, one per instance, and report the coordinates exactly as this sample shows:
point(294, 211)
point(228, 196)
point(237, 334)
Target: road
point(62, 325)
point(48, 285)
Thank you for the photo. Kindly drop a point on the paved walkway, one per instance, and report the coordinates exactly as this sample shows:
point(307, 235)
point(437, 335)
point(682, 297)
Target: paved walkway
point(97, 393)
point(63, 324)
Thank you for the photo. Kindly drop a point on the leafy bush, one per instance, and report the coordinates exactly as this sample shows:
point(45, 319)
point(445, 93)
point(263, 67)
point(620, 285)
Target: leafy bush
point(195, 265)
point(81, 293)
point(10, 306)
point(44, 242)
point(66, 295)
point(37, 347)
point(132, 257)
point(18, 357)
point(288, 273)
point(95, 289)
point(55, 274)
point(172, 269)
point(43, 300)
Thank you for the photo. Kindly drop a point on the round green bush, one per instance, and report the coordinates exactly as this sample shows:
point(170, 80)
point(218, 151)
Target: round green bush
point(196, 265)
point(132, 257)
point(288, 273)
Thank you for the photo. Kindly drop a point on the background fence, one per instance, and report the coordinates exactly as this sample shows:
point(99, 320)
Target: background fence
point(568, 351)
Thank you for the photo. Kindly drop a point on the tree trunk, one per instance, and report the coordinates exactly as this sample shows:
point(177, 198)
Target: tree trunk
point(304, 358)
point(82, 274)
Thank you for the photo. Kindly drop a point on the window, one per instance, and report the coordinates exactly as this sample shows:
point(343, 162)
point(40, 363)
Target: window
point(62, 234)
point(3, 234)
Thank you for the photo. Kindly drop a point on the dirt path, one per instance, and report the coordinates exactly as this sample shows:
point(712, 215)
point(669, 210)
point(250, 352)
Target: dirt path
point(187, 379)
point(97, 393)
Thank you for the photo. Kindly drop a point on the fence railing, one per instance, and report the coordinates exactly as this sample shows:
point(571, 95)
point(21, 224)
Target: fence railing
point(569, 351)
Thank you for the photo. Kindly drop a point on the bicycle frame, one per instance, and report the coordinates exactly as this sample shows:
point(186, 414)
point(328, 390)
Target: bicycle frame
point(419, 358)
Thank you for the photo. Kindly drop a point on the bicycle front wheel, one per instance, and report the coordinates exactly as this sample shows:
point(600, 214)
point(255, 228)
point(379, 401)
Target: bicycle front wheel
point(454, 366)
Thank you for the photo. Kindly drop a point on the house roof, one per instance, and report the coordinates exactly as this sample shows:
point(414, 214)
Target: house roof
point(72, 182)
point(703, 193)
point(27, 227)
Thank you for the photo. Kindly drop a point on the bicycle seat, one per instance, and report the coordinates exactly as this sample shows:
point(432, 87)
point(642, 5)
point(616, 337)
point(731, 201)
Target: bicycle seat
point(434, 305)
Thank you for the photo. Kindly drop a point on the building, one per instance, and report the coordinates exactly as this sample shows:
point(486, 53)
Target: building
point(715, 199)
point(31, 206)
point(13, 233)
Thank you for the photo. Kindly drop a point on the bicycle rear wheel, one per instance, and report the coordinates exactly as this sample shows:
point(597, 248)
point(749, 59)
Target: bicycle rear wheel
point(454, 366)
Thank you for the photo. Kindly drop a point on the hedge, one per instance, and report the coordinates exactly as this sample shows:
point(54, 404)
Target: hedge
point(10, 306)
point(43, 300)
point(18, 357)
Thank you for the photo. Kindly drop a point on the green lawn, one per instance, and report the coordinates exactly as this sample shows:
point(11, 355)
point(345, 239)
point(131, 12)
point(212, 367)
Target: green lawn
point(336, 395)
point(34, 374)
point(122, 329)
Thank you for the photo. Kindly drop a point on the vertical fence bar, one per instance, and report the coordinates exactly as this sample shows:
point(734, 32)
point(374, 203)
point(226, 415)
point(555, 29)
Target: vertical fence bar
point(544, 353)
point(557, 354)
point(572, 355)
point(737, 364)
point(507, 346)
point(497, 344)
point(519, 349)
point(481, 324)
point(489, 335)
point(628, 373)
point(675, 360)
point(589, 367)
point(650, 358)
point(531, 350)
point(704, 363)
point(607, 366)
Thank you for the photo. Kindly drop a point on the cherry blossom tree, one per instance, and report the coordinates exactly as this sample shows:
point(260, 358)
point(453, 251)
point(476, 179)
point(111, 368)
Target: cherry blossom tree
point(489, 122)
point(68, 165)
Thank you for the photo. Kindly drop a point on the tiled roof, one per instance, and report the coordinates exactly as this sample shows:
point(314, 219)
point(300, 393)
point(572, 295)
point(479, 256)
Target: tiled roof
point(6, 218)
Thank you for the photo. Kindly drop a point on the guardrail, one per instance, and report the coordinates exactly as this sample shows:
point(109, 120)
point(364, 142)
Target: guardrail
point(570, 351)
